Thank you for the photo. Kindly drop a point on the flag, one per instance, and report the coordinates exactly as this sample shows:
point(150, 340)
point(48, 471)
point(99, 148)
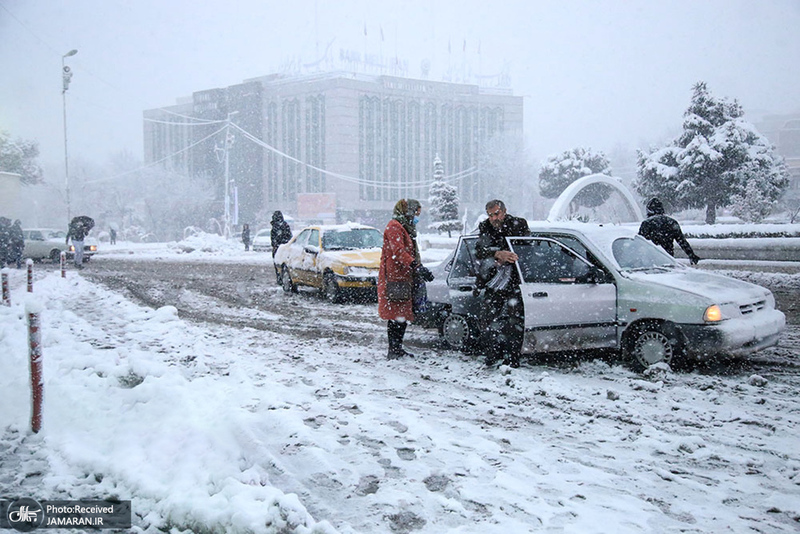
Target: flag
point(448, 46)
point(365, 29)
point(464, 49)
point(381, 27)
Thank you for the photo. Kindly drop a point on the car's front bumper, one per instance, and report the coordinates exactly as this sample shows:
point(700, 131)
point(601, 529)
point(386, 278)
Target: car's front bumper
point(735, 337)
point(357, 282)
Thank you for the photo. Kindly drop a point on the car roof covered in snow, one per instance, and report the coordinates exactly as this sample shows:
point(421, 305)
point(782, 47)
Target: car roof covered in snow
point(339, 227)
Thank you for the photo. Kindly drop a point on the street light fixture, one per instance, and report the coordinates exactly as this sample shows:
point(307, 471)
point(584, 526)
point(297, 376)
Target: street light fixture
point(66, 76)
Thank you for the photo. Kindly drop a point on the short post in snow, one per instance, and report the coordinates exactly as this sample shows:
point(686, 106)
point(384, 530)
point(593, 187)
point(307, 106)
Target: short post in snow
point(29, 263)
point(35, 352)
point(6, 293)
point(63, 264)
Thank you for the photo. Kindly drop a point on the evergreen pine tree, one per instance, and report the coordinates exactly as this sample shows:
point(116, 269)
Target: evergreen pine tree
point(443, 201)
point(560, 170)
point(712, 161)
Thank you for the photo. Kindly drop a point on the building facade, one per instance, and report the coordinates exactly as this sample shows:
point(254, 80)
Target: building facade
point(352, 141)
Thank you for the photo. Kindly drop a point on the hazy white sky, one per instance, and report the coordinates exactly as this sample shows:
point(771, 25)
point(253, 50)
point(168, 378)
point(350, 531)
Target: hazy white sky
point(596, 73)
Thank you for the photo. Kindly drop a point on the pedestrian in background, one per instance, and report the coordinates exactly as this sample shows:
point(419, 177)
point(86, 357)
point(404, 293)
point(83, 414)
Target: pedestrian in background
point(112, 236)
point(664, 231)
point(502, 310)
point(280, 233)
point(5, 241)
point(16, 245)
point(79, 228)
point(400, 264)
point(246, 236)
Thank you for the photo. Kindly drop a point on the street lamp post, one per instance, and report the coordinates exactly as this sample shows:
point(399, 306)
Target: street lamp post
point(66, 76)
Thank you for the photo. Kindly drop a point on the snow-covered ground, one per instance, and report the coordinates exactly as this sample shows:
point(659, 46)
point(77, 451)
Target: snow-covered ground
point(214, 428)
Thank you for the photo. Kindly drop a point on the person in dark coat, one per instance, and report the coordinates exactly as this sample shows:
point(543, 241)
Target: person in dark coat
point(79, 228)
point(113, 236)
point(16, 244)
point(280, 233)
point(664, 231)
point(5, 241)
point(246, 236)
point(400, 262)
point(502, 310)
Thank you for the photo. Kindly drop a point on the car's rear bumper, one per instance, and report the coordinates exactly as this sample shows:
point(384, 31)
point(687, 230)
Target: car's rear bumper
point(735, 337)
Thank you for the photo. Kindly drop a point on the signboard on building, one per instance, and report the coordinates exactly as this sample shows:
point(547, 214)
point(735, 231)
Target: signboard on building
point(317, 207)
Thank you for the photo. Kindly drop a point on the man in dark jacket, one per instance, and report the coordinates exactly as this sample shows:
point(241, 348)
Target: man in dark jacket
point(503, 321)
point(5, 241)
point(664, 231)
point(16, 244)
point(79, 228)
point(280, 233)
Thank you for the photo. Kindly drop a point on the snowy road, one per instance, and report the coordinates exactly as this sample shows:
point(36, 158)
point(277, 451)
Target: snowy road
point(296, 394)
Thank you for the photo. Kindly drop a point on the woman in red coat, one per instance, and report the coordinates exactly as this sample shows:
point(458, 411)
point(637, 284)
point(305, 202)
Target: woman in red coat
point(399, 259)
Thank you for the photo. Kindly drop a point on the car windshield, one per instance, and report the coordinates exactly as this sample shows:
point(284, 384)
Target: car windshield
point(352, 239)
point(56, 234)
point(638, 254)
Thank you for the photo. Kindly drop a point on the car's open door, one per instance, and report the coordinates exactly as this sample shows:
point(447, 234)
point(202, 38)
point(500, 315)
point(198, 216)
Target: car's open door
point(569, 302)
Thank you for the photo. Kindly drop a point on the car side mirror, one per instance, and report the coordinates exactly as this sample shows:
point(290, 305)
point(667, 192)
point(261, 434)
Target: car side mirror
point(594, 275)
point(311, 249)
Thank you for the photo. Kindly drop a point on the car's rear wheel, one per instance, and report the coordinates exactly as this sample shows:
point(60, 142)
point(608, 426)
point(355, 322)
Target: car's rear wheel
point(647, 344)
point(459, 331)
point(330, 288)
point(286, 281)
point(55, 255)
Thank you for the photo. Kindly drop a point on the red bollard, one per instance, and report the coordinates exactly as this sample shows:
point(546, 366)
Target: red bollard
point(37, 379)
point(63, 264)
point(29, 263)
point(6, 292)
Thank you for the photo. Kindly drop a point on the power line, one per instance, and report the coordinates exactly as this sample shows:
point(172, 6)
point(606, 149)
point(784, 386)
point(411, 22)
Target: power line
point(110, 178)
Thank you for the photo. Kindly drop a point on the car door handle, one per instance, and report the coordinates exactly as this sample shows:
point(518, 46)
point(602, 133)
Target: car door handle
point(539, 295)
point(466, 288)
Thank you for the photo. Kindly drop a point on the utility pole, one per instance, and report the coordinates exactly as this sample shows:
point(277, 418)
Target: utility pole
point(228, 144)
point(66, 76)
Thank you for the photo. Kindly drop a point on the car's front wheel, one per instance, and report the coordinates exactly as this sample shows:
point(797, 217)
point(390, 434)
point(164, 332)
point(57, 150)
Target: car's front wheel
point(459, 331)
point(330, 288)
point(647, 344)
point(55, 255)
point(286, 281)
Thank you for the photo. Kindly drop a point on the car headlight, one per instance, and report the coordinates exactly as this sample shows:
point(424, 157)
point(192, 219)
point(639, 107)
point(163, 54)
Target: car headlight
point(713, 314)
point(93, 248)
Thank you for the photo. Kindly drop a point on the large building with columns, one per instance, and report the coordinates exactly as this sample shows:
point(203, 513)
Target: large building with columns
point(337, 146)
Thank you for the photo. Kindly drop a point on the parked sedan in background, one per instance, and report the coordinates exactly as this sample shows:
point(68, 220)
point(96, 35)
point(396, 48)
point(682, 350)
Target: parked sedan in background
point(589, 287)
point(336, 259)
point(48, 243)
point(262, 242)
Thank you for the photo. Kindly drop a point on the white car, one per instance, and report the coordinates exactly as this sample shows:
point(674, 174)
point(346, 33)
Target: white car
point(262, 242)
point(593, 286)
point(336, 259)
point(48, 243)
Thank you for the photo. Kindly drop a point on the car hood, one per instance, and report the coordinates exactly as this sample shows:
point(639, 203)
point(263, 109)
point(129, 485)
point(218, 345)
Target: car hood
point(370, 258)
point(717, 288)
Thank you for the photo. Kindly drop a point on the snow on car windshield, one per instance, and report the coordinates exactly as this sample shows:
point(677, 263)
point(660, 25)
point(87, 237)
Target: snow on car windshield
point(352, 239)
point(636, 253)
